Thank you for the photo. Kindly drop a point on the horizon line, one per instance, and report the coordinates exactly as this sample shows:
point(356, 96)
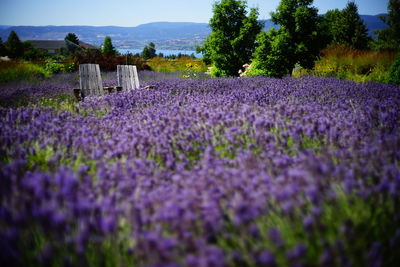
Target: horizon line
point(85, 25)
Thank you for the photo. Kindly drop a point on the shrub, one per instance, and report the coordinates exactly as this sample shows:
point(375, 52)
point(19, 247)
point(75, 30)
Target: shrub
point(394, 71)
point(54, 67)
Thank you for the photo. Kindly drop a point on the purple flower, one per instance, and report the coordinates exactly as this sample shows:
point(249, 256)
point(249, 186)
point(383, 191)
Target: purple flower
point(308, 223)
point(297, 252)
point(266, 258)
point(108, 224)
point(275, 236)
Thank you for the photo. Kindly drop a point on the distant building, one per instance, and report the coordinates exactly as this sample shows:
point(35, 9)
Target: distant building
point(53, 47)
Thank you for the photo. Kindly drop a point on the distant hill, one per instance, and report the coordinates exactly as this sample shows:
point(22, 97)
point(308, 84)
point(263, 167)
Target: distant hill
point(2, 27)
point(373, 23)
point(181, 35)
point(166, 35)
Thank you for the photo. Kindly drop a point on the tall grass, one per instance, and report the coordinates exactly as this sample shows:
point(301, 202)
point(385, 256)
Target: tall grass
point(183, 64)
point(13, 70)
point(346, 63)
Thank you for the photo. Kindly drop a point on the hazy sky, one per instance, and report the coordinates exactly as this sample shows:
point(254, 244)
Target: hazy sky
point(135, 12)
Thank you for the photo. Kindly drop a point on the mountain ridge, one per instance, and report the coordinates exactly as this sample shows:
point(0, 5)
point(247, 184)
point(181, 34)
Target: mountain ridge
point(166, 35)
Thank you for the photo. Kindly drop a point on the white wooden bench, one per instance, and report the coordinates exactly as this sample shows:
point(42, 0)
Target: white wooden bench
point(127, 77)
point(90, 82)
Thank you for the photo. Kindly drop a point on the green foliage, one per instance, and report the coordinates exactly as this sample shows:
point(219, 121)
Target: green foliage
point(149, 51)
point(72, 37)
point(14, 71)
point(72, 44)
point(14, 46)
point(394, 71)
point(346, 27)
point(232, 40)
point(40, 158)
point(389, 38)
point(108, 48)
point(54, 67)
point(32, 53)
point(272, 56)
point(346, 63)
point(183, 64)
point(2, 48)
point(297, 41)
point(332, 24)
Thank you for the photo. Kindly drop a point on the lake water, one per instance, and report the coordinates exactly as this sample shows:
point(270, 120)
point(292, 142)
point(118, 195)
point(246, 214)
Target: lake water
point(165, 52)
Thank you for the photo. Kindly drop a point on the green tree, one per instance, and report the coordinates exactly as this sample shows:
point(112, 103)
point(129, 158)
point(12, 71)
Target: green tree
point(149, 51)
point(353, 32)
point(389, 38)
point(14, 47)
point(271, 57)
point(108, 48)
point(332, 25)
point(346, 27)
point(72, 43)
point(2, 48)
point(297, 41)
point(232, 40)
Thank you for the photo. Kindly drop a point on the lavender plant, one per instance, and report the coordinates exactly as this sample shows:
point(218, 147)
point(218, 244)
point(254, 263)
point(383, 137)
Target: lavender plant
point(211, 172)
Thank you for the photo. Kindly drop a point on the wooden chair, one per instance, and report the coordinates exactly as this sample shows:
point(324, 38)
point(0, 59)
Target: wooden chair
point(90, 82)
point(127, 77)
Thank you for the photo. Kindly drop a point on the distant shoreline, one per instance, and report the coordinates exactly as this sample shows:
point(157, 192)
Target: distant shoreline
point(165, 52)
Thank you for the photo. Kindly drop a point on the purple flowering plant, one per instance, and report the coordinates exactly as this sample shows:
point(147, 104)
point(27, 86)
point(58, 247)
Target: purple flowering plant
point(204, 172)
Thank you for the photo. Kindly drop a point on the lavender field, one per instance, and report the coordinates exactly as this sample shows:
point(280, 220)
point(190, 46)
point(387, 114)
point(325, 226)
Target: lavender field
point(208, 172)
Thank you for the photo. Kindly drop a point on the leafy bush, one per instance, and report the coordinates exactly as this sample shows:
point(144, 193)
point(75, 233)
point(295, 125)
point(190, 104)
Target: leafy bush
point(394, 71)
point(54, 67)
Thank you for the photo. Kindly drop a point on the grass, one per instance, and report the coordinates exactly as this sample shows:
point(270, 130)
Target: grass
point(346, 63)
point(183, 64)
point(21, 70)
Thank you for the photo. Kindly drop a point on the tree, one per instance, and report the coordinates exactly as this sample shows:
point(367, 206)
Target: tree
point(271, 57)
point(2, 48)
point(108, 48)
point(232, 40)
point(14, 47)
point(296, 41)
point(149, 51)
point(331, 23)
point(72, 43)
point(389, 38)
point(353, 32)
point(347, 28)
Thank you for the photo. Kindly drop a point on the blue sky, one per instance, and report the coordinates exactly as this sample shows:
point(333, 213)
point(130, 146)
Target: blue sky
point(135, 12)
